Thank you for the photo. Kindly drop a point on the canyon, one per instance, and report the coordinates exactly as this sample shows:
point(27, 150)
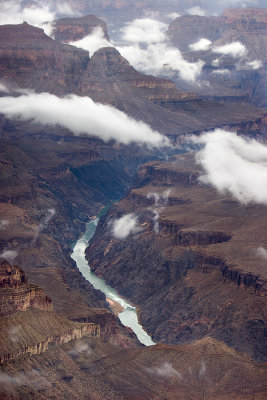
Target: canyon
point(198, 273)
point(191, 270)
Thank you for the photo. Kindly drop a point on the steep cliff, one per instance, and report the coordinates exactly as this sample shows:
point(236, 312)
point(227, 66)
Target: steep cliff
point(17, 294)
point(27, 322)
point(31, 59)
point(192, 267)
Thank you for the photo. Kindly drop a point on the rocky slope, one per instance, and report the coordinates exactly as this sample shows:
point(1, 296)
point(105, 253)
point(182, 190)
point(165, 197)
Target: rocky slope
point(193, 268)
point(91, 369)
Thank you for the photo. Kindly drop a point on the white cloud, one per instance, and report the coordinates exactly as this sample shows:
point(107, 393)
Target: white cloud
point(93, 42)
point(124, 226)
point(216, 62)
point(235, 165)
point(196, 11)
point(80, 348)
point(173, 15)
point(160, 202)
point(166, 370)
point(14, 333)
point(203, 369)
point(234, 49)
point(155, 220)
point(3, 88)
point(144, 30)
point(39, 15)
point(160, 199)
point(3, 223)
point(202, 45)
point(159, 59)
point(43, 224)
point(9, 255)
point(223, 71)
point(250, 65)
point(147, 48)
point(30, 378)
point(81, 116)
point(261, 252)
point(66, 10)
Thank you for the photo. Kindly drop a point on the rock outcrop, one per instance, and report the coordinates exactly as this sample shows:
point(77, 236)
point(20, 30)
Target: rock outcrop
point(27, 321)
point(17, 294)
point(31, 59)
point(71, 29)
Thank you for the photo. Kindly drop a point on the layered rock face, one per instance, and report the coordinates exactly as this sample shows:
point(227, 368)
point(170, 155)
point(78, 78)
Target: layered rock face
point(72, 29)
point(193, 267)
point(27, 322)
point(247, 25)
point(31, 59)
point(47, 65)
point(188, 29)
point(92, 369)
point(17, 294)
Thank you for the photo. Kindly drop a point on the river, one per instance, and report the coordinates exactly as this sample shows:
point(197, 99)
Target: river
point(128, 316)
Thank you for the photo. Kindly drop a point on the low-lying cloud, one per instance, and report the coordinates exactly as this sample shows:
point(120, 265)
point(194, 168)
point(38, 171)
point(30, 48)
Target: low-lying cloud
point(201, 45)
point(196, 10)
point(79, 348)
point(144, 30)
point(38, 13)
point(12, 12)
point(250, 65)
point(81, 116)
point(160, 199)
point(234, 49)
point(235, 165)
point(31, 378)
point(93, 42)
point(166, 370)
point(146, 46)
point(223, 71)
point(173, 15)
point(124, 226)
point(160, 202)
point(261, 252)
point(3, 223)
point(9, 255)
point(43, 224)
point(14, 333)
